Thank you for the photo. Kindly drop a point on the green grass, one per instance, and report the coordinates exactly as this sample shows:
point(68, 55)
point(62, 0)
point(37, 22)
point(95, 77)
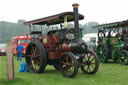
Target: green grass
point(108, 74)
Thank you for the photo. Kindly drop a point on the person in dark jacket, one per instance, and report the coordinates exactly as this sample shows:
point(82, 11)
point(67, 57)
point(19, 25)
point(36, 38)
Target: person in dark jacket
point(19, 49)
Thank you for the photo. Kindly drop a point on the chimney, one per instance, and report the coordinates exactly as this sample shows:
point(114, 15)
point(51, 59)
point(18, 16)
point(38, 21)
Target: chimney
point(76, 21)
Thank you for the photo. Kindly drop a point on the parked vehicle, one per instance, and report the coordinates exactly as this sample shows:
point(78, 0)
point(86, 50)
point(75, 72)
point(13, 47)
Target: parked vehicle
point(3, 49)
point(23, 39)
point(61, 48)
point(113, 42)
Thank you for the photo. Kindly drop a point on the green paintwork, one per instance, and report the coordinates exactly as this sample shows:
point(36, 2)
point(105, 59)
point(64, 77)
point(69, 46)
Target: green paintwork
point(115, 44)
point(81, 33)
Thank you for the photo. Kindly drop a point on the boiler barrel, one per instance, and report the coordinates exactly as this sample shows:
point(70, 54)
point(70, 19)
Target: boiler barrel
point(79, 47)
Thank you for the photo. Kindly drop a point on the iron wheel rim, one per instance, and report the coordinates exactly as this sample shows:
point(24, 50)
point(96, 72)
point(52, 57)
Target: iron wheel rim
point(36, 57)
point(90, 63)
point(101, 52)
point(123, 58)
point(68, 65)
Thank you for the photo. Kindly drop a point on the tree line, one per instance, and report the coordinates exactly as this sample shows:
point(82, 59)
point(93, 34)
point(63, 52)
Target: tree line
point(9, 29)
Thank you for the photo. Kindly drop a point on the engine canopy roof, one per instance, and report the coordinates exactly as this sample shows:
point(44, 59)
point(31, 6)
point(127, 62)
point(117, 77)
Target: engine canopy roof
point(55, 19)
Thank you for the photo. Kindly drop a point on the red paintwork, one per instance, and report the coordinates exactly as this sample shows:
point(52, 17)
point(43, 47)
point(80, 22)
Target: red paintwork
point(50, 43)
point(113, 41)
point(23, 38)
point(64, 47)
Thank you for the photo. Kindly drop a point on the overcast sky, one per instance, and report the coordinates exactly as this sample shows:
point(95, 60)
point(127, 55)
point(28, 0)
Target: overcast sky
point(102, 11)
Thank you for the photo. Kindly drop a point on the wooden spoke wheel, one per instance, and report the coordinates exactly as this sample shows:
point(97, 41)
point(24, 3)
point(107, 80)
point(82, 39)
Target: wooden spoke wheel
point(68, 65)
point(123, 58)
point(102, 53)
point(36, 59)
point(90, 63)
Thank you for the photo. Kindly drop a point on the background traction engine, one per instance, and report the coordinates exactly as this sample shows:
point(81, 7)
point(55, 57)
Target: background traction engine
point(61, 48)
point(113, 42)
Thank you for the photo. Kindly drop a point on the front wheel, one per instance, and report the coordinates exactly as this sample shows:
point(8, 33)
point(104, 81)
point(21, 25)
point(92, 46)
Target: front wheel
point(68, 65)
point(102, 52)
point(123, 58)
point(90, 63)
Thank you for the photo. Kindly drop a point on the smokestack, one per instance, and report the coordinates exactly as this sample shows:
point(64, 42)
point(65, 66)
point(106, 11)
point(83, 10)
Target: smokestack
point(76, 21)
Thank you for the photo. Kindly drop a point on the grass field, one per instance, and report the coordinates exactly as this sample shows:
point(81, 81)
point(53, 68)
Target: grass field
point(108, 74)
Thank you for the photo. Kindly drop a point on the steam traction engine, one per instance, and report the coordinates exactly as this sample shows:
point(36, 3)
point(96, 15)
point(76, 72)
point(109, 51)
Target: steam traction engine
point(61, 48)
point(113, 42)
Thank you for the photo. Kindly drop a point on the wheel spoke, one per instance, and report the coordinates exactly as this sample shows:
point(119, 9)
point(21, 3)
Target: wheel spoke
point(92, 66)
point(92, 59)
point(72, 67)
point(29, 55)
point(35, 67)
point(89, 69)
point(93, 63)
point(35, 50)
point(68, 65)
point(84, 65)
point(65, 68)
point(38, 55)
point(63, 62)
point(84, 59)
point(33, 64)
point(35, 55)
point(35, 60)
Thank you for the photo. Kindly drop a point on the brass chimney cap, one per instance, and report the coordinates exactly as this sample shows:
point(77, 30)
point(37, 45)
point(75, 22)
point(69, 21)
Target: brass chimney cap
point(75, 5)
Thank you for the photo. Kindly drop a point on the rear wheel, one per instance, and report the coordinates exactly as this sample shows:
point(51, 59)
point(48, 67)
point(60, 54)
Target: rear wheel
point(123, 58)
point(68, 65)
point(102, 53)
point(90, 63)
point(36, 59)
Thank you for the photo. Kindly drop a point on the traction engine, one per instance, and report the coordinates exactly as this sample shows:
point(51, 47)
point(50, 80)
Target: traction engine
point(61, 48)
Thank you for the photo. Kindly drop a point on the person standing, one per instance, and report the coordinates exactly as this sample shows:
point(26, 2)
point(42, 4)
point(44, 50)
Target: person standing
point(19, 49)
